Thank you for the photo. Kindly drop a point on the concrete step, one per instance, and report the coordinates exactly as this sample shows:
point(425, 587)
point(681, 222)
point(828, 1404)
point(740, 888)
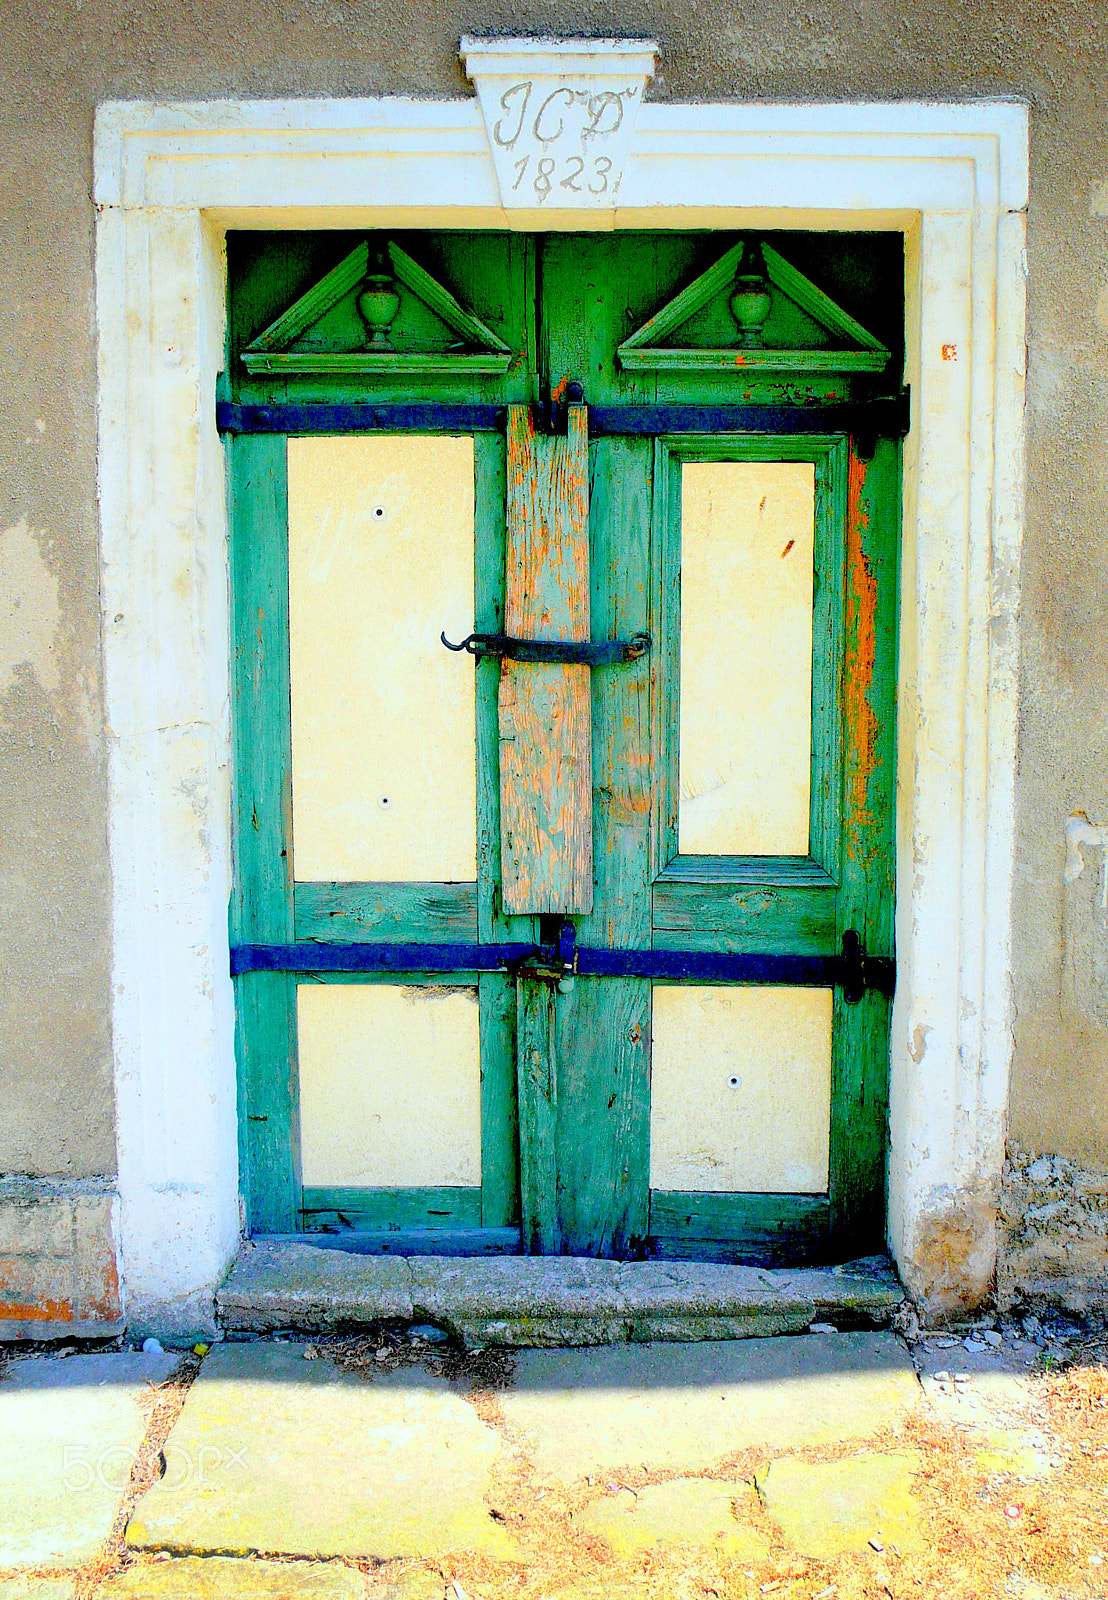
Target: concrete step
point(546, 1300)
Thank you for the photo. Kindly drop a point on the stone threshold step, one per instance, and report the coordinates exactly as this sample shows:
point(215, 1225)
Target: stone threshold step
point(546, 1300)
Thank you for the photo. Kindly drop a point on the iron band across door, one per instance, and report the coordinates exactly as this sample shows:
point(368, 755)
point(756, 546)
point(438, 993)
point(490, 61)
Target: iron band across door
point(851, 969)
point(557, 652)
point(884, 417)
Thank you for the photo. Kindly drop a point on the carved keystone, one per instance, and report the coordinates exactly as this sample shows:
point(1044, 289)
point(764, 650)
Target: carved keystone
point(559, 114)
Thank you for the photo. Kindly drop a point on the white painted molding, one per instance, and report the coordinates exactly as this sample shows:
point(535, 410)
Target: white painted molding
point(169, 179)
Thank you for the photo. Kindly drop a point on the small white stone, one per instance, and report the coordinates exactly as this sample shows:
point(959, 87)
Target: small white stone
point(152, 1347)
point(991, 1337)
point(975, 1346)
point(822, 1327)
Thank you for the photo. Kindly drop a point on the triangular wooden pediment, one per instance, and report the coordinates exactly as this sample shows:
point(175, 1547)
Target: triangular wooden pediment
point(342, 324)
point(800, 330)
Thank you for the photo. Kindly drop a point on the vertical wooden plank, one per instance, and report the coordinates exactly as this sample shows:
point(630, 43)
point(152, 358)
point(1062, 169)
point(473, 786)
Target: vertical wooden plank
point(603, 1024)
point(827, 628)
point(497, 994)
point(545, 717)
point(859, 1096)
point(537, 1069)
point(262, 904)
point(665, 662)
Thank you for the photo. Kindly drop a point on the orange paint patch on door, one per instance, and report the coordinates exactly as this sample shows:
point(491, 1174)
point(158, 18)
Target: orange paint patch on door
point(859, 657)
point(545, 711)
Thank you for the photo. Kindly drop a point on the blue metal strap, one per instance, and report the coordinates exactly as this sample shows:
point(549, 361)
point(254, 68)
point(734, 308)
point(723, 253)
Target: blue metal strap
point(851, 969)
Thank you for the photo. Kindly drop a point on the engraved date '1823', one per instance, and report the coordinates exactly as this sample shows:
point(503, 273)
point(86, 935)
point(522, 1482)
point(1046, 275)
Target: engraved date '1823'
point(564, 116)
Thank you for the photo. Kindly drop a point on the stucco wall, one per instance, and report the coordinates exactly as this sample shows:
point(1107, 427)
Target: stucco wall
point(57, 61)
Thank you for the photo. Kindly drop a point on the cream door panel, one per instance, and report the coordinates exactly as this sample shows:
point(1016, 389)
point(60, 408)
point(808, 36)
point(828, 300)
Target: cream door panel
point(383, 722)
point(390, 1086)
point(746, 657)
point(740, 1089)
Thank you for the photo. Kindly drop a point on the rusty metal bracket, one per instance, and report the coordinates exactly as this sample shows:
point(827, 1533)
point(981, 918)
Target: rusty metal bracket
point(558, 652)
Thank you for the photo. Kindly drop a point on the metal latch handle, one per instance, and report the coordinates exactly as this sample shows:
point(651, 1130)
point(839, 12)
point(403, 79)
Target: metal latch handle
point(557, 652)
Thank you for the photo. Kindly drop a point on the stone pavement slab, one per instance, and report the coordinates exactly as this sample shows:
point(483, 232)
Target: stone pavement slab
point(223, 1578)
point(70, 1429)
point(698, 1511)
point(825, 1508)
point(1018, 1454)
point(275, 1453)
point(36, 1589)
point(682, 1407)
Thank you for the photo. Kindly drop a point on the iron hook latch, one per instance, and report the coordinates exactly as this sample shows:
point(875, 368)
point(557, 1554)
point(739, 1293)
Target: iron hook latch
point(554, 652)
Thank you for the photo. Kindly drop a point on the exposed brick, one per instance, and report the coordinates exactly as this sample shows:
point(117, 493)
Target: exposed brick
point(40, 1227)
point(36, 1289)
point(97, 1281)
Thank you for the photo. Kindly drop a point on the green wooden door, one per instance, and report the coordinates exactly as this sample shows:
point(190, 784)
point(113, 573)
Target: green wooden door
point(657, 1100)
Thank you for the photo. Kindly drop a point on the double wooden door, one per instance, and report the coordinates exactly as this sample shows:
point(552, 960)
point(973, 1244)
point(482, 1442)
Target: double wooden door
point(576, 940)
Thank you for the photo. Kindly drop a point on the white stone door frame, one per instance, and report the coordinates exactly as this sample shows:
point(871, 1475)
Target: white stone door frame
point(169, 181)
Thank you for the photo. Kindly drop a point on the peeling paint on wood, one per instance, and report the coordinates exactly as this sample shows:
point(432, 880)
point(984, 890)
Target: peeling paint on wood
point(860, 656)
point(545, 711)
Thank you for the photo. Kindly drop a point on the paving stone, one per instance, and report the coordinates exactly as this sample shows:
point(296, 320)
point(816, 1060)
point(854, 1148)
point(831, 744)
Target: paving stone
point(696, 1300)
point(1022, 1454)
point(682, 1407)
point(683, 1511)
point(522, 1300)
point(69, 1433)
point(825, 1508)
point(223, 1578)
point(298, 1286)
point(418, 1584)
point(275, 1453)
point(36, 1589)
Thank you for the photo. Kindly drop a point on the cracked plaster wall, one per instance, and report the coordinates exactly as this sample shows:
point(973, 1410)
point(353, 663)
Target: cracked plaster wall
point(57, 60)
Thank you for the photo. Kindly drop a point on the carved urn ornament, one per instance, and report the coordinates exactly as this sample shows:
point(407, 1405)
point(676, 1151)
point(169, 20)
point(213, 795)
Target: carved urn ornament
point(750, 302)
point(378, 302)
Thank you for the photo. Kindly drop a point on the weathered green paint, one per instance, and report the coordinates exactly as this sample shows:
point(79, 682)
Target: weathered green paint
point(565, 1075)
point(819, 317)
point(603, 1025)
point(271, 351)
point(382, 361)
point(500, 1169)
point(859, 1086)
point(397, 1208)
point(537, 1081)
point(829, 458)
point(545, 717)
point(400, 913)
point(485, 274)
point(770, 1229)
point(261, 906)
point(794, 920)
